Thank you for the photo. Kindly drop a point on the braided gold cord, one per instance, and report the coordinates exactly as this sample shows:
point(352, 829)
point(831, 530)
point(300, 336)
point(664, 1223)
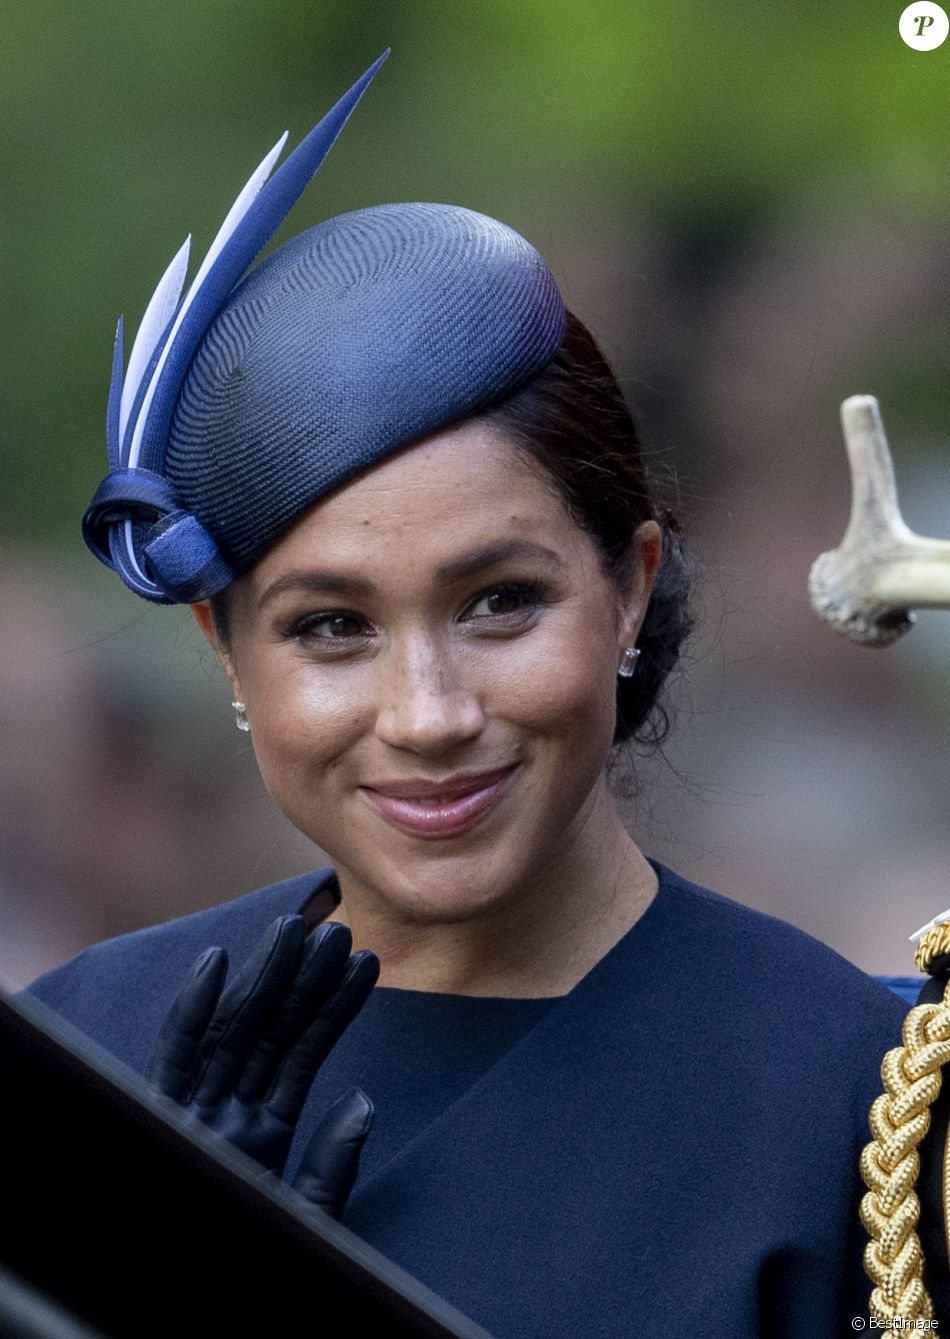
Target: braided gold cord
point(890, 1163)
point(933, 945)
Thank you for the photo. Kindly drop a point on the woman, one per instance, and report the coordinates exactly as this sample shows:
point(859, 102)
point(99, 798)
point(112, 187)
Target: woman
point(400, 488)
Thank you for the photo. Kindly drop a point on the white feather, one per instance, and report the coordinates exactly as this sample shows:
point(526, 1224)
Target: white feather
point(237, 211)
point(160, 310)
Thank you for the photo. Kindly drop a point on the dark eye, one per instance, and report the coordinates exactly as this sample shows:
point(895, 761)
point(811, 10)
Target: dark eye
point(509, 599)
point(330, 627)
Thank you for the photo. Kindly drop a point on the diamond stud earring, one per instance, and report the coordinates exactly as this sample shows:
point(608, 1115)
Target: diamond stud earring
point(629, 662)
point(240, 716)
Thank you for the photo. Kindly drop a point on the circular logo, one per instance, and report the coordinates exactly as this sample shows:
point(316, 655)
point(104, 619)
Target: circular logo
point(924, 26)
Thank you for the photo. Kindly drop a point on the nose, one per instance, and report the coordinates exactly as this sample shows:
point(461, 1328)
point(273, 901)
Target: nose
point(428, 704)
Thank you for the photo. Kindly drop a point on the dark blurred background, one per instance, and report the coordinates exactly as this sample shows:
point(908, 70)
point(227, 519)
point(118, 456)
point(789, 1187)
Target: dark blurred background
point(749, 206)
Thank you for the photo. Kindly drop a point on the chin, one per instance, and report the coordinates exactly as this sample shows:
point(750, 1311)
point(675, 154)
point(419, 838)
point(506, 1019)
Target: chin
point(448, 886)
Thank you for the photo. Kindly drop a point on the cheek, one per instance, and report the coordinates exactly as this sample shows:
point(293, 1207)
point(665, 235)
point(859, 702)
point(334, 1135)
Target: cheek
point(302, 723)
point(559, 699)
point(560, 683)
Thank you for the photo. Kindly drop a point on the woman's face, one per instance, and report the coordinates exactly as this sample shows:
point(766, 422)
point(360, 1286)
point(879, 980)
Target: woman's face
point(429, 659)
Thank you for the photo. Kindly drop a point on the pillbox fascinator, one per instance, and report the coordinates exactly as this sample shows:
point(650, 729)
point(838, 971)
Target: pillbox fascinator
point(247, 400)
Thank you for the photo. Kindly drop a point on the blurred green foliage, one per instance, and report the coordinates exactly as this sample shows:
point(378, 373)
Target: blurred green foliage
point(125, 126)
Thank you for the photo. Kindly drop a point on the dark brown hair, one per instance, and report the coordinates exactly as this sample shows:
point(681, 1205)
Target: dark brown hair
point(573, 422)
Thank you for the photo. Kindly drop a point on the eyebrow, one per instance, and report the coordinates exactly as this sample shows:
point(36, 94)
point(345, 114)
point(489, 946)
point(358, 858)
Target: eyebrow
point(457, 569)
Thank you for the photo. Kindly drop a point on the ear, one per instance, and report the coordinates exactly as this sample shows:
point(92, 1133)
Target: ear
point(205, 621)
point(202, 613)
point(647, 545)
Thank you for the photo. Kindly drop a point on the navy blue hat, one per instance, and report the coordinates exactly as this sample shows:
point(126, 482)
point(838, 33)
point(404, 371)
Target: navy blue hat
point(242, 406)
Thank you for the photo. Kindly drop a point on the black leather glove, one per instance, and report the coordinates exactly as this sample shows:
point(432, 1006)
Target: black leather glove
point(241, 1059)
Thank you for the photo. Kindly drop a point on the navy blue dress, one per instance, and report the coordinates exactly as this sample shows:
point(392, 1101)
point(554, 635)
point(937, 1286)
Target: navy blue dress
point(673, 1142)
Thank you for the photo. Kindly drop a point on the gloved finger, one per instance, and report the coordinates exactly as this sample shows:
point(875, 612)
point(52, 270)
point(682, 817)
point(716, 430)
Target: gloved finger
point(171, 1065)
point(246, 1007)
point(322, 967)
point(331, 1159)
point(292, 1082)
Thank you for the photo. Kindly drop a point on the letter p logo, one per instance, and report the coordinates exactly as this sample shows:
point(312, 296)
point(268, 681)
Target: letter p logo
point(924, 26)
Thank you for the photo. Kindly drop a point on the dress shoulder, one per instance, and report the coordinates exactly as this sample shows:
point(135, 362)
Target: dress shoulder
point(119, 991)
point(757, 947)
point(788, 998)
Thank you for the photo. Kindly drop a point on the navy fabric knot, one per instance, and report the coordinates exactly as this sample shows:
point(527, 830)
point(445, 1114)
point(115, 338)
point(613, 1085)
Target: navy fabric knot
point(173, 559)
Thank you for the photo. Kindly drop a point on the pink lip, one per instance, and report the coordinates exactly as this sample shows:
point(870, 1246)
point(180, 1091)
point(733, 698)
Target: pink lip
point(425, 808)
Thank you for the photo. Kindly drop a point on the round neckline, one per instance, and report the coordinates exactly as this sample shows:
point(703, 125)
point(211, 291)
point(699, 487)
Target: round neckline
point(410, 993)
